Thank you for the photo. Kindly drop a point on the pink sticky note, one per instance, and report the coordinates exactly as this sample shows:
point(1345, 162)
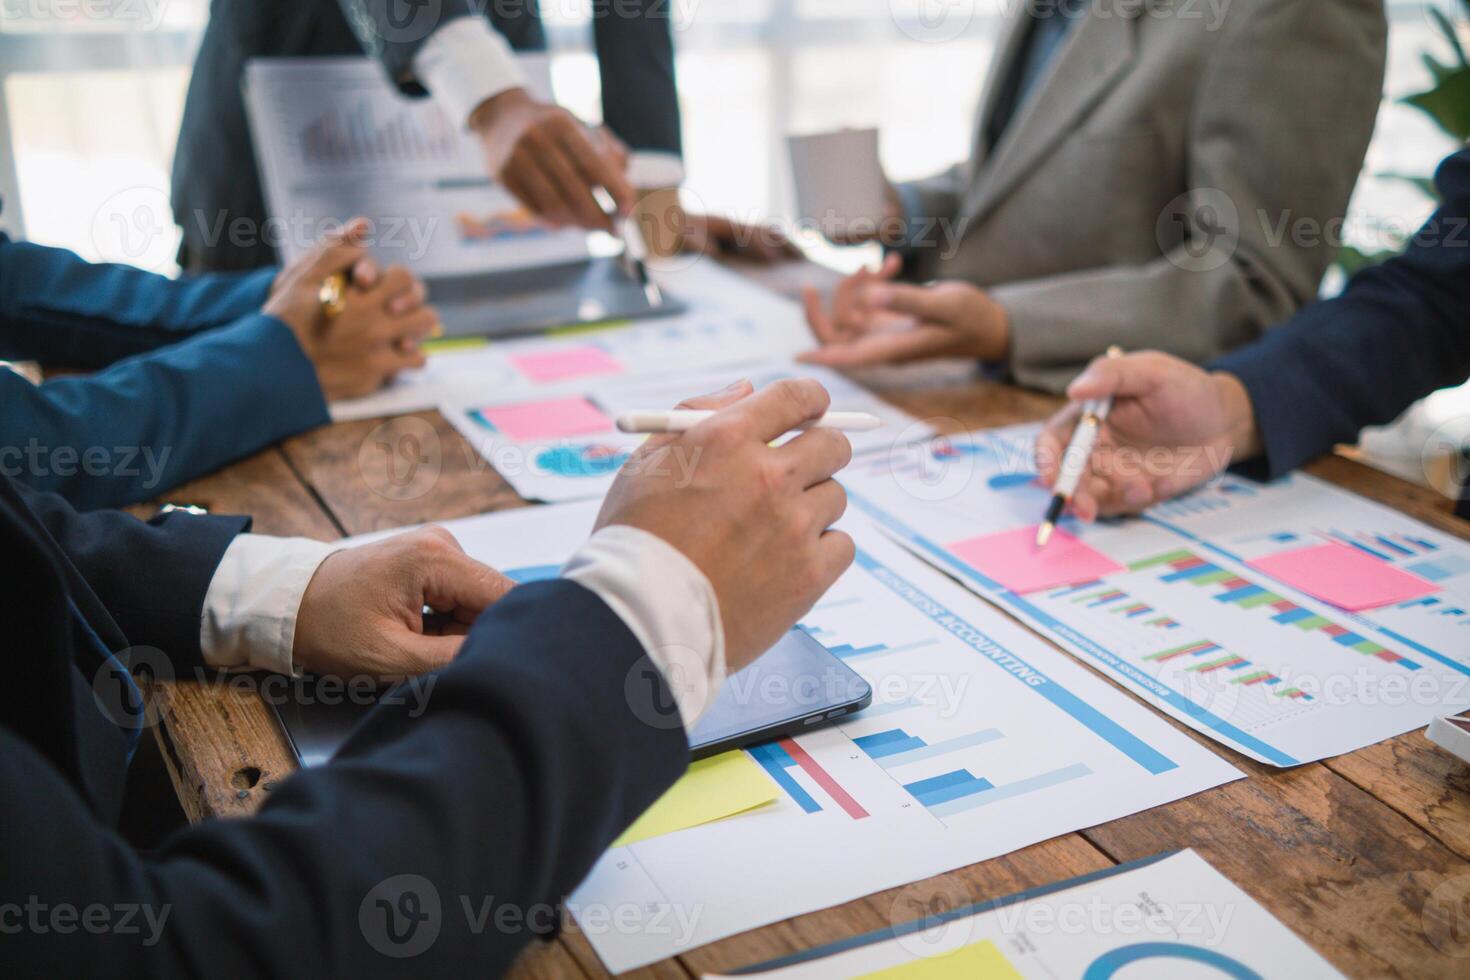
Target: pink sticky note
point(1346, 577)
point(556, 418)
point(1013, 560)
point(560, 365)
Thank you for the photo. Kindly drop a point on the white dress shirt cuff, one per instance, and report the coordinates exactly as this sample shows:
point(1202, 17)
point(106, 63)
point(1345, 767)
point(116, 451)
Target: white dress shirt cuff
point(464, 63)
point(667, 603)
point(655, 170)
point(251, 606)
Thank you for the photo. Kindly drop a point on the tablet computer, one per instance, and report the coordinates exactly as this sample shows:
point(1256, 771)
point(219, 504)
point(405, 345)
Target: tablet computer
point(796, 686)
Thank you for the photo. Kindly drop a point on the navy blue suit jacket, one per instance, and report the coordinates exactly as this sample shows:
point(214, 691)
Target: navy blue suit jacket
point(525, 763)
point(193, 375)
point(1400, 331)
point(215, 178)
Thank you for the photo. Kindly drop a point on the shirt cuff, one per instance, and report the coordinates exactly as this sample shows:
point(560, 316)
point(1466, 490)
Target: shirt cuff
point(655, 170)
point(464, 63)
point(667, 603)
point(251, 606)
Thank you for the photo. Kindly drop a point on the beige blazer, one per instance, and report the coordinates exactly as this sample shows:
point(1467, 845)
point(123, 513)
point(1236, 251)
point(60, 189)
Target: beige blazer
point(1176, 181)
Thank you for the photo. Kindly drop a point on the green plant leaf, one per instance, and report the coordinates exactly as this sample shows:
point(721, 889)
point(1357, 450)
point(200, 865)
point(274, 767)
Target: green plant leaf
point(1425, 184)
point(1448, 104)
point(1450, 34)
point(1352, 260)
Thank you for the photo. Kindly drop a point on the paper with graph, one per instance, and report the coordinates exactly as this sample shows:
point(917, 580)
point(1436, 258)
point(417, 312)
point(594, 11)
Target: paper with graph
point(729, 323)
point(981, 740)
point(1211, 606)
point(1167, 916)
point(335, 139)
point(560, 443)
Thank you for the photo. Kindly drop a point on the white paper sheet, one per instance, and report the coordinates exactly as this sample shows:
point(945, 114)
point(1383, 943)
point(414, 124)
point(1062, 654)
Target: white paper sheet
point(981, 740)
point(334, 139)
point(1175, 916)
point(557, 465)
point(1247, 660)
point(729, 322)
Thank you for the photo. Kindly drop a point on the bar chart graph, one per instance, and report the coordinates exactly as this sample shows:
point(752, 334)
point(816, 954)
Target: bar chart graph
point(1184, 566)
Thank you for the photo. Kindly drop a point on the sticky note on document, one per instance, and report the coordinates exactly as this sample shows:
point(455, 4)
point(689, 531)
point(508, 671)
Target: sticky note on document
point(1346, 577)
point(1013, 559)
point(554, 418)
point(713, 789)
point(977, 961)
point(547, 367)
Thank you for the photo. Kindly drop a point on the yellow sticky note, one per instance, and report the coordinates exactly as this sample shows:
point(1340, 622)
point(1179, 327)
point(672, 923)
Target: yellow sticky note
point(451, 344)
point(579, 329)
point(978, 961)
point(714, 788)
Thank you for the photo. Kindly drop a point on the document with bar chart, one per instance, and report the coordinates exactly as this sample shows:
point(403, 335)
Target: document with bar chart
point(1168, 916)
point(981, 740)
point(1199, 606)
point(334, 139)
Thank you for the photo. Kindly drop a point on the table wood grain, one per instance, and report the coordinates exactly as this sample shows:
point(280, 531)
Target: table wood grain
point(1347, 852)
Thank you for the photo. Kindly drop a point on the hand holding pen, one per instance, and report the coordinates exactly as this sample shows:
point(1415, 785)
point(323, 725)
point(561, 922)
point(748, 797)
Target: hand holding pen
point(1168, 425)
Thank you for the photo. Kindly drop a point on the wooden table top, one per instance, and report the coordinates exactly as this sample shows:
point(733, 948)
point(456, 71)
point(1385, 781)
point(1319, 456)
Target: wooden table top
point(1366, 856)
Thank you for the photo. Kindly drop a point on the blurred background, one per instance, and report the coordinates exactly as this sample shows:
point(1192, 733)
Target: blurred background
point(93, 92)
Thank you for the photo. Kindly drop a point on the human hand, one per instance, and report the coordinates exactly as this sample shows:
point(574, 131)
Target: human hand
point(1173, 425)
point(710, 234)
point(383, 321)
point(754, 518)
point(875, 320)
point(363, 611)
point(549, 160)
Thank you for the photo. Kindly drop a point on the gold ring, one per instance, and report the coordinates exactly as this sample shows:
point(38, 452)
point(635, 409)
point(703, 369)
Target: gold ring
point(333, 295)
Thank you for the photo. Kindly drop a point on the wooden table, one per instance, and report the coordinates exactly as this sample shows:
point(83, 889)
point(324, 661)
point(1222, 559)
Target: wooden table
point(1366, 856)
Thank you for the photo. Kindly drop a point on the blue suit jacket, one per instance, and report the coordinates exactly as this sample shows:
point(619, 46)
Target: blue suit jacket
point(159, 412)
point(1399, 331)
point(525, 763)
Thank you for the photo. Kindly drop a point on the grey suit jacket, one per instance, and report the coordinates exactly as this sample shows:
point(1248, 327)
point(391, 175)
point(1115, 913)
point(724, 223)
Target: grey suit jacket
point(1172, 183)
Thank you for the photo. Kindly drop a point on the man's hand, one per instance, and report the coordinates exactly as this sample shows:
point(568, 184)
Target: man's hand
point(379, 330)
point(363, 612)
point(1173, 426)
point(754, 518)
point(710, 234)
point(549, 160)
point(875, 320)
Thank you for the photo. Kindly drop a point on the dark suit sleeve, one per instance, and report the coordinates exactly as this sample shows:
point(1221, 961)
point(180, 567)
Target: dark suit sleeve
point(524, 764)
point(149, 577)
point(57, 308)
point(151, 422)
point(635, 57)
point(1397, 333)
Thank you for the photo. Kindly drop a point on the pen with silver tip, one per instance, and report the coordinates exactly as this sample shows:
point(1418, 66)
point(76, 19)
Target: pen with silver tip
point(1074, 460)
